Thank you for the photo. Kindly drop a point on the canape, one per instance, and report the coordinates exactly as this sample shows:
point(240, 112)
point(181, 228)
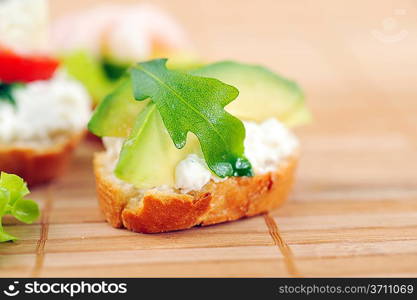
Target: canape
point(43, 112)
point(195, 148)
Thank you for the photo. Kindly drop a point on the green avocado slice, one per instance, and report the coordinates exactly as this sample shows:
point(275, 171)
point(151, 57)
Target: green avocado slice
point(89, 71)
point(262, 93)
point(299, 116)
point(149, 157)
point(116, 114)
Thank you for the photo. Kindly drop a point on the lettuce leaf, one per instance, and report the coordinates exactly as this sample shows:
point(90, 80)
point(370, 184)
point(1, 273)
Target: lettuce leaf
point(12, 190)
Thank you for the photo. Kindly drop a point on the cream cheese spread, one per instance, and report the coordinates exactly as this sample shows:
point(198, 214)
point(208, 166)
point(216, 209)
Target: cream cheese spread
point(266, 145)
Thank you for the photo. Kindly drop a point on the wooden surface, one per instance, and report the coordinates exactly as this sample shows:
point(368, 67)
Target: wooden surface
point(354, 208)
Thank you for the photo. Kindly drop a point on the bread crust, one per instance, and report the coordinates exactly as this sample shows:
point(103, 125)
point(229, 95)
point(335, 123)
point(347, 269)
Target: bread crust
point(37, 166)
point(229, 200)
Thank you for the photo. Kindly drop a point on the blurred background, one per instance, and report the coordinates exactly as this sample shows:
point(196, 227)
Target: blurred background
point(357, 63)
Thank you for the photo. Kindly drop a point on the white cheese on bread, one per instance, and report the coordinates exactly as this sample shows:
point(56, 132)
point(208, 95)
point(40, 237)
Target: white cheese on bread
point(44, 110)
point(266, 145)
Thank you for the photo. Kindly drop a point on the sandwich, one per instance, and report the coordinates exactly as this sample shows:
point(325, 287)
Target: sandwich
point(43, 112)
point(195, 148)
point(98, 44)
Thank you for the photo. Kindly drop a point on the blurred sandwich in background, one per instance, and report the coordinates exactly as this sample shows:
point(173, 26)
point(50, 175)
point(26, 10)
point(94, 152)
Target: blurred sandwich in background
point(43, 111)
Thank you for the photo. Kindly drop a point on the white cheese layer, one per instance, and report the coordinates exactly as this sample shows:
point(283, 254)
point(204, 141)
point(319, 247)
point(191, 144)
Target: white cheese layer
point(44, 110)
point(192, 173)
point(266, 145)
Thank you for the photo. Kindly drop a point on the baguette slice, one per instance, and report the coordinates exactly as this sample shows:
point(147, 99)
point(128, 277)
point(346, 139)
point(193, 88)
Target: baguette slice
point(154, 211)
point(37, 166)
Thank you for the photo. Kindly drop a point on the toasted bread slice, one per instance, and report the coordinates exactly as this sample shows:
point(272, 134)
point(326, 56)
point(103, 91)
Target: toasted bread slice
point(39, 165)
point(154, 211)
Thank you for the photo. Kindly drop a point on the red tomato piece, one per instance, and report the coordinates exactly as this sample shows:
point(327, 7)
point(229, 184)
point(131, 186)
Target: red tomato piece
point(19, 68)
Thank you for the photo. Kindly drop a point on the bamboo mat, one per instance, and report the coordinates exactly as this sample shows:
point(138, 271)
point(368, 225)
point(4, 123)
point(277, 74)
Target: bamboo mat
point(353, 211)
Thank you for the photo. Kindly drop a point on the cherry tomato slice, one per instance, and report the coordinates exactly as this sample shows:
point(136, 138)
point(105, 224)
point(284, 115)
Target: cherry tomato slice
point(18, 68)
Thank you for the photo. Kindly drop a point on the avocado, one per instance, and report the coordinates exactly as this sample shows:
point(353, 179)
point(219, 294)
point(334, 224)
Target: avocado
point(262, 93)
point(116, 114)
point(89, 71)
point(299, 116)
point(101, 75)
point(149, 156)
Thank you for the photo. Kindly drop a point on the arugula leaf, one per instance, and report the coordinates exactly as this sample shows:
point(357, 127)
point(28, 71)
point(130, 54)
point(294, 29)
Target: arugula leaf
point(195, 104)
point(6, 92)
point(12, 191)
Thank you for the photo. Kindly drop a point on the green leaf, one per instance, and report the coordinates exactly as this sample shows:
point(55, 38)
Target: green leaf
point(195, 104)
point(4, 200)
point(5, 237)
point(26, 210)
point(116, 114)
point(12, 190)
point(6, 92)
point(15, 185)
